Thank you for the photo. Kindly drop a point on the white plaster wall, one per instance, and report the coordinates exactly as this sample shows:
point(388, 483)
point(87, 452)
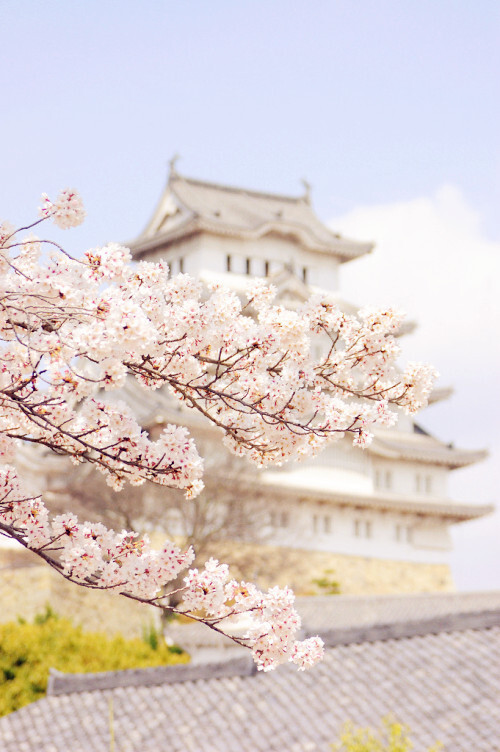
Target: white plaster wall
point(428, 544)
point(319, 479)
point(324, 273)
point(188, 250)
point(429, 535)
point(209, 253)
point(343, 454)
point(404, 478)
point(340, 466)
point(405, 422)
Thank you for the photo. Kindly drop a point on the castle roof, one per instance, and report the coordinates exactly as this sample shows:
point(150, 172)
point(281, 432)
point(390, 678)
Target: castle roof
point(418, 447)
point(321, 483)
point(421, 447)
point(189, 207)
point(316, 484)
point(426, 660)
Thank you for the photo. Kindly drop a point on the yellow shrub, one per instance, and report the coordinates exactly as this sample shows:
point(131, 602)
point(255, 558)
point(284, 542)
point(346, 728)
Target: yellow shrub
point(27, 651)
point(391, 737)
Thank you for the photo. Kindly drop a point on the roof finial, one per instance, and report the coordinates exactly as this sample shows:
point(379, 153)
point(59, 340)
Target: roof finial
point(307, 190)
point(171, 163)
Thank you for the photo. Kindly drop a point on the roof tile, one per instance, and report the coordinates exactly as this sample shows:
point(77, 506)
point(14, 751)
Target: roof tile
point(445, 686)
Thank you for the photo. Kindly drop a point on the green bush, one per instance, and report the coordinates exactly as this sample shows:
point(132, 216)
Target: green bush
point(27, 651)
point(391, 737)
point(327, 584)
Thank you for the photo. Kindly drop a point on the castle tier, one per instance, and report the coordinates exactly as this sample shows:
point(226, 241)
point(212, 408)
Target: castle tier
point(387, 506)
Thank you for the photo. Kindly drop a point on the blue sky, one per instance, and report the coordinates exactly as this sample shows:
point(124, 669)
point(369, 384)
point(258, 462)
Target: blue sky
point(371, 101)
point(378, 104)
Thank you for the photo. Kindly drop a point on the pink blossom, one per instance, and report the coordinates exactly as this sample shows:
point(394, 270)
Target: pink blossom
point(75, 331)
point(67, 211)
point(308, 652)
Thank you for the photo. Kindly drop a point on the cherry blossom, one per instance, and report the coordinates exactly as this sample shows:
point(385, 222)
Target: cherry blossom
point(74, 330)
point(67, 211)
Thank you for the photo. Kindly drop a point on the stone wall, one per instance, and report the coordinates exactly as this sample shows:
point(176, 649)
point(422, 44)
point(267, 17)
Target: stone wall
point(26, 587)
point(356, 575)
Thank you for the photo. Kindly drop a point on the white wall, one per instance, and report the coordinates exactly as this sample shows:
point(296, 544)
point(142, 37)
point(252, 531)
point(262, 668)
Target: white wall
point(321, 527)
point(410, 479)
point(209, 253)
point(392, 536)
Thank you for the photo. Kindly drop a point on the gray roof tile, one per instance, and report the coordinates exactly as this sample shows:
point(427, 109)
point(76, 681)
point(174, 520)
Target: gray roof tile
point(445, 686)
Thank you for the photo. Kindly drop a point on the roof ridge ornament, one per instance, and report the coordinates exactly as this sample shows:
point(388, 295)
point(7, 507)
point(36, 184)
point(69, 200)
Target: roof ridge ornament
point(307, 191)
point(172, 166)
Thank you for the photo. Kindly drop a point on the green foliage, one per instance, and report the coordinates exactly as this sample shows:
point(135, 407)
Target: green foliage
point(152, 637)
point(391, 737)
point(44, 617)
point(27, 651)
point(176, 650)
point(327, 584)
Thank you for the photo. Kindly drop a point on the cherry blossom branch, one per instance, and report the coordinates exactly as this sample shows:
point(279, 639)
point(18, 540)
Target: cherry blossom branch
point(94, 557)
point(73, 330)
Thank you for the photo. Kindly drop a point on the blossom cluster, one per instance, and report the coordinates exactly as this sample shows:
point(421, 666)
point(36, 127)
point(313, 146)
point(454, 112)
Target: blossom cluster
point(95, 556)
point(74, 330)
point(67, 211)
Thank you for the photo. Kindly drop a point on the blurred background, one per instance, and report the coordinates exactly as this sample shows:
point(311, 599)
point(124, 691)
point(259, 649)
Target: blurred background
point(390, 110)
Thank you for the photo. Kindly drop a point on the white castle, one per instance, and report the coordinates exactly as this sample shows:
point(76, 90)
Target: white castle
point(387, 503)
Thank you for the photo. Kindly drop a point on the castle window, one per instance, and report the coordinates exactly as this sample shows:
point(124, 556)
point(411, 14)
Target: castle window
point(181, 265)
point(280, 519)
point(403, 533)
point(423, 483)
point(322, 523)
point(248, 263)
point(228, 263)
point(383, 479)
point(266, 268)
point(304, 274)
point(363, 528)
